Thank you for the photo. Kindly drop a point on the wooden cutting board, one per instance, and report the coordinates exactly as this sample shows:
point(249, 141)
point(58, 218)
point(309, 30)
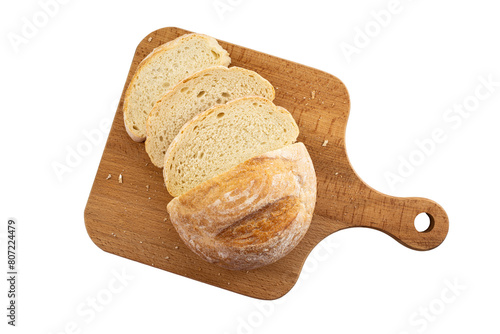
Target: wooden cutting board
point(130, 219)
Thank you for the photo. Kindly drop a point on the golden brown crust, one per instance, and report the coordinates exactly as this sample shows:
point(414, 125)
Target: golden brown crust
point(252, 215)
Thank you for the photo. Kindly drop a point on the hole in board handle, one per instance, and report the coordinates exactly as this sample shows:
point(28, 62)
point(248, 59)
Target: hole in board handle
point(424, 222)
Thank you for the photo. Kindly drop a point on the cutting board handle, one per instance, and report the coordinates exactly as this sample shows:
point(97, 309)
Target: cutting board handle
point(396, 217)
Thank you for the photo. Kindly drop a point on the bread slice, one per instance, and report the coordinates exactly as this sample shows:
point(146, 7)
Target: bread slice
point(253, 214)
point(224, 136)
point(161, 70)
point(197, 93)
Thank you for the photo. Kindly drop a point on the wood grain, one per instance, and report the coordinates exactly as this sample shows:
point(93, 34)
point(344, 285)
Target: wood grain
point(130, 219)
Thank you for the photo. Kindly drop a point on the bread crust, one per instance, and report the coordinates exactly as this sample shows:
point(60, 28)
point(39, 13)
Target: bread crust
point(225, 61)
point(251, 215)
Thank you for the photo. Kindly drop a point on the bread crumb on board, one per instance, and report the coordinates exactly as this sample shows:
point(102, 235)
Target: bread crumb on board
point(325, 142)
point(147, 187)
point(313, 94)
point(150, 39)
point(108, 177)
point(120, 179)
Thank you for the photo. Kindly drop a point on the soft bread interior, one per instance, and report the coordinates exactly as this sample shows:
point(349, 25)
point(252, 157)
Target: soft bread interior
point(197, 93)
point(223, 137)
point(163, 69)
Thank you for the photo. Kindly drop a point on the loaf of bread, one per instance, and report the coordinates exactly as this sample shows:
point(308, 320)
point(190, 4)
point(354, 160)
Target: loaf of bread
point(245, 194)
point(253, 214)
point(161, 70)
point(193, 95)
point(224, 136)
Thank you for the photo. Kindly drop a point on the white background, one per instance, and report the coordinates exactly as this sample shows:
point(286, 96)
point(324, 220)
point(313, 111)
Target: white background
point(66, 79)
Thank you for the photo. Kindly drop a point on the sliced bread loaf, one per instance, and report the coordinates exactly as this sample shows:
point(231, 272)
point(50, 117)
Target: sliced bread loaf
point(253, 214)
point(224, 136)
point(161, 70)
point(194, 94)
